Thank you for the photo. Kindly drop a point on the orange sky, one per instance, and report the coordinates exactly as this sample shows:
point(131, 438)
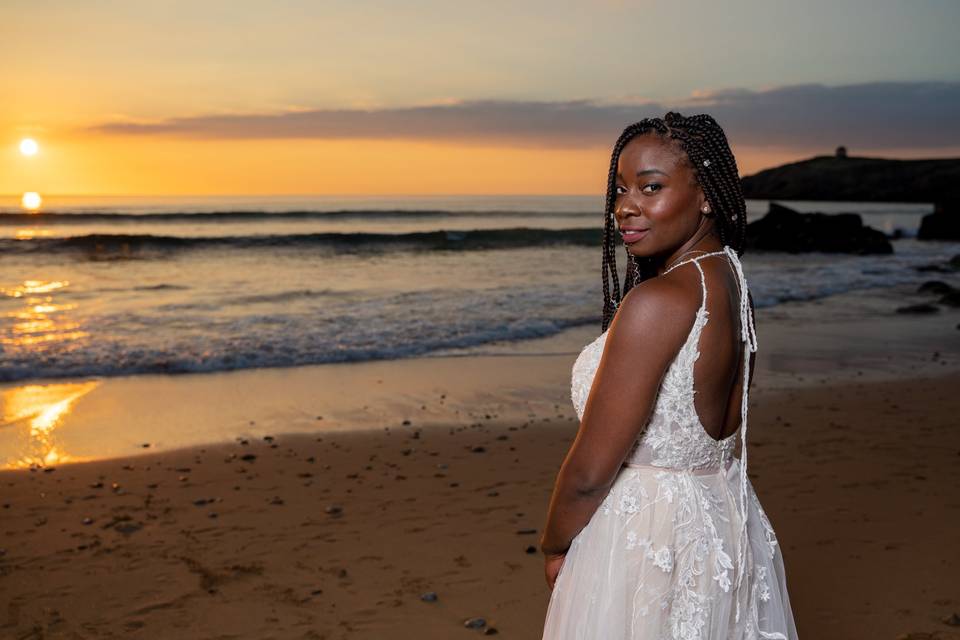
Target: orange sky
point(131, 166)
point(189, 73)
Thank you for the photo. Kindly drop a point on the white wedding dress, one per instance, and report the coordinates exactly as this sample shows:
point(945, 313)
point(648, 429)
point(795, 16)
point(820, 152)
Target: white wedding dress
point(680, 547)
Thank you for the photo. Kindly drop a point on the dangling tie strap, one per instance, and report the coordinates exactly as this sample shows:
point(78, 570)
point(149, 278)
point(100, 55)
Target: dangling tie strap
point(747, 334)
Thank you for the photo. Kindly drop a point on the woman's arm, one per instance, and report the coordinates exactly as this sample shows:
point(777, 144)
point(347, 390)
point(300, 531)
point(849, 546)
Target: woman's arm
point(643, 339)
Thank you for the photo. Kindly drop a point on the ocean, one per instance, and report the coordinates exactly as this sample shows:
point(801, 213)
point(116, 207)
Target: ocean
point(99, 286)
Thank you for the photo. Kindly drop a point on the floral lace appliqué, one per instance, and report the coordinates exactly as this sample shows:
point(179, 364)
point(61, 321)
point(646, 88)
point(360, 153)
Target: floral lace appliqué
point(686, 560)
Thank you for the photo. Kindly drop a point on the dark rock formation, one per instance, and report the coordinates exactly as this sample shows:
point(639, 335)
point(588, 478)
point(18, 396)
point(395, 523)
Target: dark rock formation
point(942, 224)
point(949, 295)
point(922, 308)
point(784, 229)
point(841, 177)
point(934, 286)
point(950, 298)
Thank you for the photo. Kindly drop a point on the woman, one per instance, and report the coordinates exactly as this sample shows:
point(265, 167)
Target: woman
point(654, 530)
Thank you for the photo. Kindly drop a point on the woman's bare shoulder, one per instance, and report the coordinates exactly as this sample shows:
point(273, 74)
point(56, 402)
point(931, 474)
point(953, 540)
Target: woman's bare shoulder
point(663, 295)
point(657, 312)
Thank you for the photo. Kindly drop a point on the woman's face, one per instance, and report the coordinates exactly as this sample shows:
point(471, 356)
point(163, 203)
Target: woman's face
point(658, 201)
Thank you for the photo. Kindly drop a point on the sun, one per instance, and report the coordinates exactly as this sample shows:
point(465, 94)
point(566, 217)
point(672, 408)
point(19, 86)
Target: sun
point(31, 201)
point(29, 147)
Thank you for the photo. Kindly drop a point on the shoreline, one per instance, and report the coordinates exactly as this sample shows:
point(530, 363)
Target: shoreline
point(855, 335)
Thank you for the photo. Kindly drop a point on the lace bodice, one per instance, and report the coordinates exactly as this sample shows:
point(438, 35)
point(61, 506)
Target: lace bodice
point(674, 437)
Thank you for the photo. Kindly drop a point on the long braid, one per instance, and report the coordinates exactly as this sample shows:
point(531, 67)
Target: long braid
point(608, 267)
point(702, 139)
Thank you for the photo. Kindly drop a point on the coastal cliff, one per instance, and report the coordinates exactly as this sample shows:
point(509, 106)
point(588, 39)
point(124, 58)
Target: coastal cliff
point(844, 178)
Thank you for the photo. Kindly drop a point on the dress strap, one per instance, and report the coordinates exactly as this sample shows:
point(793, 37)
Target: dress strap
point(748, 335)
point(706, 255)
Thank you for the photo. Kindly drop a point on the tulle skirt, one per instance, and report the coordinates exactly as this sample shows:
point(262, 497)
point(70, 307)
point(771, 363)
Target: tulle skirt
point(660, 558)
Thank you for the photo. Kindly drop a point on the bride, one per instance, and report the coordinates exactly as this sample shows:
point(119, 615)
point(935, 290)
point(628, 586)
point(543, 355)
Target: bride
point(654, 530)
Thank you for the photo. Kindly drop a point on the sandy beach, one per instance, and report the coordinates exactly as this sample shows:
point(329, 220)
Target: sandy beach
point(291, 296)
point(289, 526)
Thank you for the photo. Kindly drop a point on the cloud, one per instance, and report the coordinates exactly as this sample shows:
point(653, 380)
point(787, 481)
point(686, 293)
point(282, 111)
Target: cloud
point(886, 115)
point(872, 115)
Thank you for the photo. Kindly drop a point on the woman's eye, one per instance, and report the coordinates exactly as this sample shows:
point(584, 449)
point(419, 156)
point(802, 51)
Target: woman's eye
point(653, 186)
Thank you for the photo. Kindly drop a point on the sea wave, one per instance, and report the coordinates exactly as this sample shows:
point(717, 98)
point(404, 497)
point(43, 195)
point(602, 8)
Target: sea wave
point(445, 240)
point(247, 350)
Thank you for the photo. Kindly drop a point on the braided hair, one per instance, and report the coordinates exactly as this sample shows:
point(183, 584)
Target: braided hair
point(715, 170)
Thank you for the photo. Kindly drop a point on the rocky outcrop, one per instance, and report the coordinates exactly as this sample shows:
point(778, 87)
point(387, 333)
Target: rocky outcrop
point(784, 229)
point(949, 297)
point(942, 224)
point(846, 178)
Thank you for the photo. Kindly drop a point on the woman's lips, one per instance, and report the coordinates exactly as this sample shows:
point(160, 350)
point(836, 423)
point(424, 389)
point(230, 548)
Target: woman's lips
point(632, 235)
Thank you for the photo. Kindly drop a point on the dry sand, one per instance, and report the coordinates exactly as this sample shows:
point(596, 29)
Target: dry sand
point(860, 482)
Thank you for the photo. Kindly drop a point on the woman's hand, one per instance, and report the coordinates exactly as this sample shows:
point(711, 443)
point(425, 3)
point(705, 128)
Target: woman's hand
point(553, 564)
